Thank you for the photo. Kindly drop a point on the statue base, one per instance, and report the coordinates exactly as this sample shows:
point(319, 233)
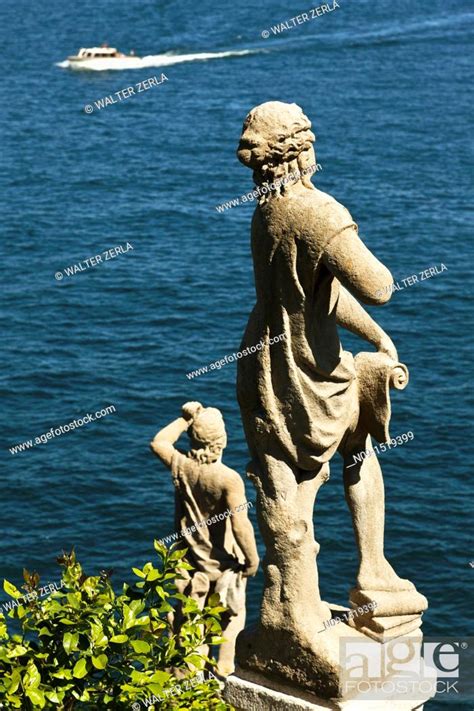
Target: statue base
point(351, 672)
point(248, 691)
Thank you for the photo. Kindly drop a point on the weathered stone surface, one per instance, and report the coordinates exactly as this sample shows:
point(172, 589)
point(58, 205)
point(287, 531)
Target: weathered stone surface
point(407, 602)
point(304, 398)
point(388, 634)
point(253, 693)
point(382, 624)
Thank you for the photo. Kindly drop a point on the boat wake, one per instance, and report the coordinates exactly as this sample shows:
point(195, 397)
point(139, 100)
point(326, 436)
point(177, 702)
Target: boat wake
point(153, 60)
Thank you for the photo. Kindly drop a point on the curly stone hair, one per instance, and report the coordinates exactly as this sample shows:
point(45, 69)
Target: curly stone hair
point(208, 436)
point(277, 142)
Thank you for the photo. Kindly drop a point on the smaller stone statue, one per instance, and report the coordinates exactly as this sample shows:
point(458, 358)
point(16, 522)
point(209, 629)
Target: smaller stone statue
point(211, 516)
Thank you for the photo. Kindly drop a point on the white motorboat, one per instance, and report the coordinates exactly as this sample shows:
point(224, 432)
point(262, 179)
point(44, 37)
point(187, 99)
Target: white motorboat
point(100, 58)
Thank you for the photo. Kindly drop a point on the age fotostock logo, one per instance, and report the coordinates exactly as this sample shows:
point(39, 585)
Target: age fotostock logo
point(407, 667)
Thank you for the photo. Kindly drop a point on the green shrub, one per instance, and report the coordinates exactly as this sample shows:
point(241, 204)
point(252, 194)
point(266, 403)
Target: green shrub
point(84, 647)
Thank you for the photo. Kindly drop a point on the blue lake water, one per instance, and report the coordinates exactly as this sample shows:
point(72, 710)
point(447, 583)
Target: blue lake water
point(386, 87)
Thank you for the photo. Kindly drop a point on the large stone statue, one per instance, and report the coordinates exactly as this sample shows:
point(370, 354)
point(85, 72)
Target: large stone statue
point(211, 518)
point(305, 398)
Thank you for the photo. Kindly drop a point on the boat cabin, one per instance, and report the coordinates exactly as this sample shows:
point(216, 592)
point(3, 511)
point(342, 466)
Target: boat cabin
point(96, 52)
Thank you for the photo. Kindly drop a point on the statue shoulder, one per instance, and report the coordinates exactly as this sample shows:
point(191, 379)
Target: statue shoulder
point(231, 479)
point(327, 203)
point(228, 478)
point(329, 215)
point(183, 468)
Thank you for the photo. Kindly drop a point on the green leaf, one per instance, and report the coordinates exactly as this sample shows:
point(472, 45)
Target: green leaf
point(18, 651)
point(140, 646)
point(138, 572)
point(11, 590)
point(128, 617)
point(160, 547)
point(165, 607)
point(91, 585)
point(36, 697)
point(157, 690)
point(119, 638)
point(195, 660)
point(32, 676)
point(70, 641)
point(62, 674)
point(191, 606)
point(134, 689)
point(74, 599)
point(100, 662)
point(139, 678)
point(153, 575)
point(44, 632)
point(159, 677)
point(15, 681)
point(54, 696)
point(98, 637)
point(185, 566)
point(161, 593)
point(214, 600)
point(80, 669)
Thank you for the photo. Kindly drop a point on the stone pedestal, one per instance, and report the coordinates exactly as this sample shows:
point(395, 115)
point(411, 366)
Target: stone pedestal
point(252, 692)
point(368, 676)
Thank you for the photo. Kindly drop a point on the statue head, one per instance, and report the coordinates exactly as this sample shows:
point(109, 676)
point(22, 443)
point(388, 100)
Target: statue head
point(208, 435)
point(277, 140)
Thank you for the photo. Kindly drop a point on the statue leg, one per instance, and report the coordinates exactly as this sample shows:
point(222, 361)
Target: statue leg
point(197, 586)
point(365, 496)
point(285, 643)
point(285, 506)
point(226, 651)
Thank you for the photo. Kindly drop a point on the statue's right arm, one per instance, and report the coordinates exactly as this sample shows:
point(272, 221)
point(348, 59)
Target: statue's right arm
point(347, 257)
point(163, 441)
point(351, 315)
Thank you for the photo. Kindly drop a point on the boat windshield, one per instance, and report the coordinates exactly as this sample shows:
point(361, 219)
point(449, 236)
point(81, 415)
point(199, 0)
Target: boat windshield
point(95, 52)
